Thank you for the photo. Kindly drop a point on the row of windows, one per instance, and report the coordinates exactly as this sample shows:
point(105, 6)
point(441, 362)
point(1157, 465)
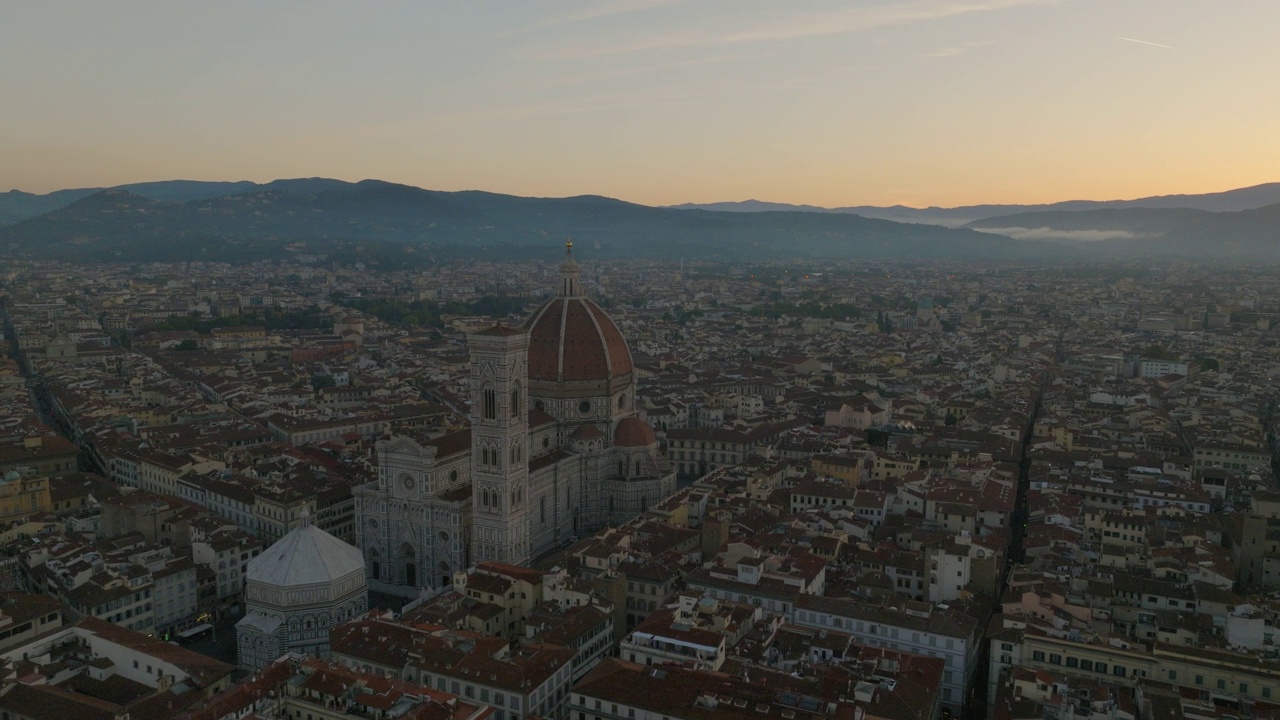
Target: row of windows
point(874, 629)
point(703, 445)
point(490, 403)
point(129, 613)
point(117, 604)
point(1121, 671)
point(490, 457)
point(1099, 667)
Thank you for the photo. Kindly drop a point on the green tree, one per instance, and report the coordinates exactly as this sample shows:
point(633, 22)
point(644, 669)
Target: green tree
point(187, 345)
point(1208, 363)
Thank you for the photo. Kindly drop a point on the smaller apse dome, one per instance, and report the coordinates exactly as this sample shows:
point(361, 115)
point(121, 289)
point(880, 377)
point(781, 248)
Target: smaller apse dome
point(634, 432)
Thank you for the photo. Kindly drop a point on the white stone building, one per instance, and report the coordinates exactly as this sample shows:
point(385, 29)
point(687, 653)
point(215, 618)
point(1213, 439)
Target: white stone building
point(296, 590)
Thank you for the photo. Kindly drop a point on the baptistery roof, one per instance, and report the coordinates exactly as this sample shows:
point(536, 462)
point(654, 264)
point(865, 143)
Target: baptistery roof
point(307, 555)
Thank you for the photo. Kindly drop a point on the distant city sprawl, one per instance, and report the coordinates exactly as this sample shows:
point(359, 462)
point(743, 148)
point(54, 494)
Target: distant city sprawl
point(588, 489)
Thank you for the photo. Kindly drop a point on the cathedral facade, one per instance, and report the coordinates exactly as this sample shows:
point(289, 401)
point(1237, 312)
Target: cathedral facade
point(555, 450)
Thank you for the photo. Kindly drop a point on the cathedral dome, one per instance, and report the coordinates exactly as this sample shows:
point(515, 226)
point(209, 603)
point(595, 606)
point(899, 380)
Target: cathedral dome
point(573, 339)
point(634, 432)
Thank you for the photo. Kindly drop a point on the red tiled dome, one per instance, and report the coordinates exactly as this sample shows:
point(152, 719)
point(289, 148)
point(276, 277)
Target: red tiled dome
point(634, 432)
point(572, 339)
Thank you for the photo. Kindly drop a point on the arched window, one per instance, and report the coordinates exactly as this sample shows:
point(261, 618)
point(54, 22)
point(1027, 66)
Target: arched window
point(490, 404)
point(515, 401)
point(637, 467)
point(621, 469)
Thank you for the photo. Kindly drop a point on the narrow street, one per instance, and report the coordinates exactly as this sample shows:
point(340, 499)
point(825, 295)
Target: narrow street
point(221, 644)
point(1017, 553)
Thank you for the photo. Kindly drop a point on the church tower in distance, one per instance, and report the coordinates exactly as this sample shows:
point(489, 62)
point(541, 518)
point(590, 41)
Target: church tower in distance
point(500, 445)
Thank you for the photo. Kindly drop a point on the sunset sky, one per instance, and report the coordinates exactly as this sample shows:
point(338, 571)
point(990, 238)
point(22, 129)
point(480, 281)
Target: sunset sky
point(832, 102)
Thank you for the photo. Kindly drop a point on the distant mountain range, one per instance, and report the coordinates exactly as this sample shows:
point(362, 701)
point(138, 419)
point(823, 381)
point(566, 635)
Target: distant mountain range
point(316, 216)
point(16, 206)
point(393, 225)
point(1229, 201)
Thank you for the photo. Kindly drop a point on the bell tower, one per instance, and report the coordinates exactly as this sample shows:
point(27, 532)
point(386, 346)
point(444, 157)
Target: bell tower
point(499, 445)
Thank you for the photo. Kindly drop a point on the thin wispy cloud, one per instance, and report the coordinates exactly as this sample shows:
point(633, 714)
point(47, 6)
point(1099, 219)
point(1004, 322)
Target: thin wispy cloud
point(802, 26)
point(605, 101)
point(1144, 42)
point(594, 11)
point(954, 50)
point(653, 68)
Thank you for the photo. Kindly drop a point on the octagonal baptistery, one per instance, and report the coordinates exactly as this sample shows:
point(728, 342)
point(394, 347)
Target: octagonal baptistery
point(295, 592)
point(579, 364)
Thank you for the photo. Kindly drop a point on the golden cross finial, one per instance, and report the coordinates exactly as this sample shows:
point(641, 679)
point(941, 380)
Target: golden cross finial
point(569, 244)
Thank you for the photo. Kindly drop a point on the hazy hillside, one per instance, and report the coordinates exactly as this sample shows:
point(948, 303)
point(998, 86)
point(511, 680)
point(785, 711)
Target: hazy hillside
point(16, 206)
point(1228, 201)
point(120, 225)
point(1245, 235)
point(398, 224)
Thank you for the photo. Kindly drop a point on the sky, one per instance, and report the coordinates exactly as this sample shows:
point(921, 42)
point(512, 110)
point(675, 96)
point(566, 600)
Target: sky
point(827, 102)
